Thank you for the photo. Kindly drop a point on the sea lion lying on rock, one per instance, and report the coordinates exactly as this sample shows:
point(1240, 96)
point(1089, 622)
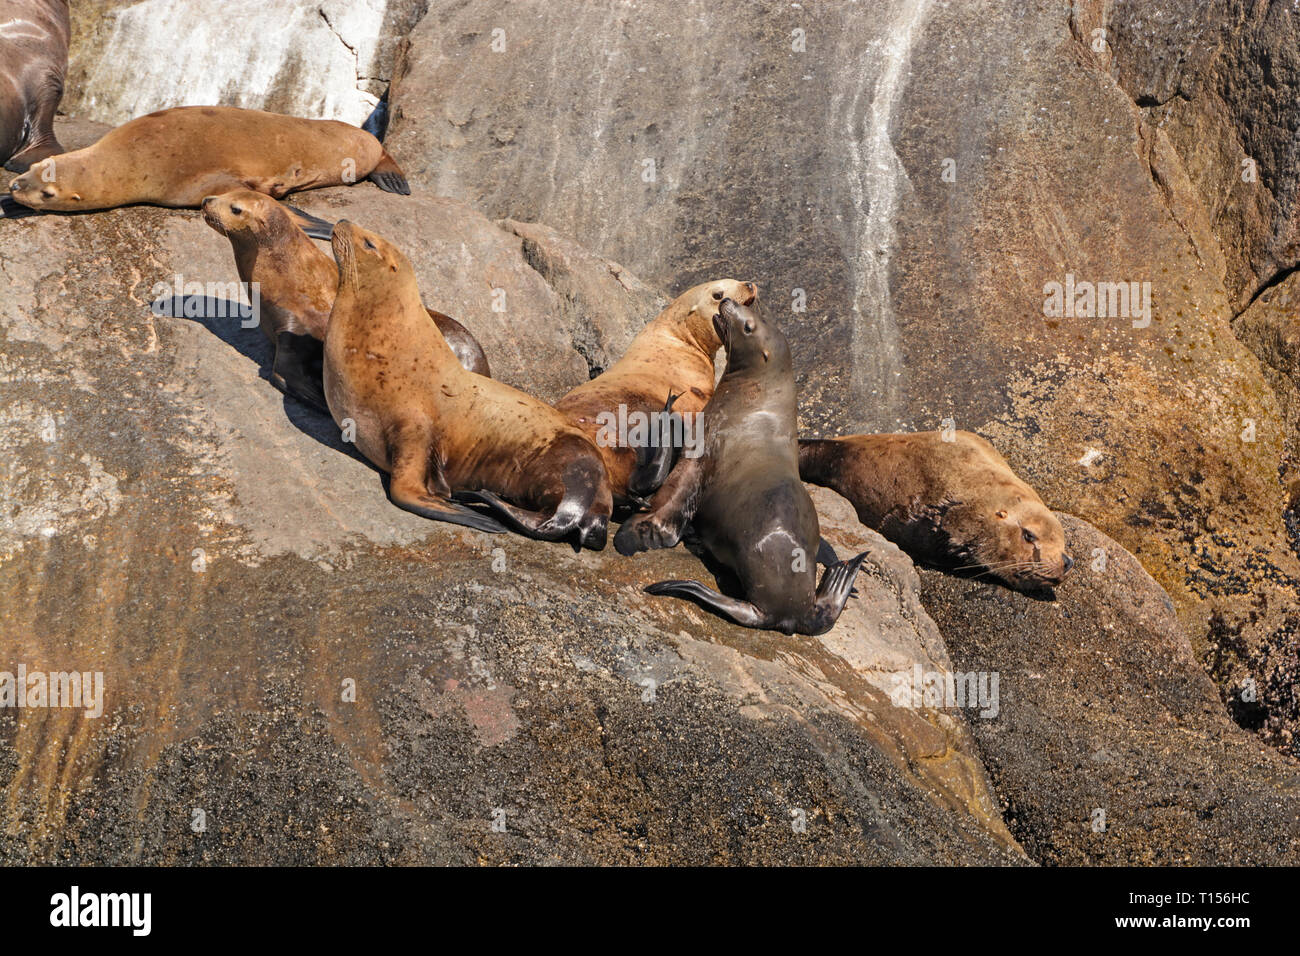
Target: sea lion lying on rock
point(180, 156)
point(667, 368)
point(952, 504)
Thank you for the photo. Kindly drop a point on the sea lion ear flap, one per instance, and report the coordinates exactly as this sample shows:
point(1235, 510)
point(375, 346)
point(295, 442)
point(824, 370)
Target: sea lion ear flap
point(1001, 515)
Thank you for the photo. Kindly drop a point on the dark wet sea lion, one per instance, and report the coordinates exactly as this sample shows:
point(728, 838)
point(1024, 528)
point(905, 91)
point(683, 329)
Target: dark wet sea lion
point(297, 282)
point(34, 37)
point(954, 504)
point(743, 496)
point(178, 157)
point(441, 431)
point(672, 355)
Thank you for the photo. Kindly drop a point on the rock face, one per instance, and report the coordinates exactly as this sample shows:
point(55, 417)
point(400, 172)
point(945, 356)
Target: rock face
point(296, 671)
point(237, 575)
point(325, 60)
point(919, 174)
point(1107, 719)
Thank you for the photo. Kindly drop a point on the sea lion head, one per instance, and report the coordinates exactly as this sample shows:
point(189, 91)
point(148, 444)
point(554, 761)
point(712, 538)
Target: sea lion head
point(750, 341)
point(39, 188)
point(1020, 541)
point(365, 258)
point(242, 213)
point(697, 306)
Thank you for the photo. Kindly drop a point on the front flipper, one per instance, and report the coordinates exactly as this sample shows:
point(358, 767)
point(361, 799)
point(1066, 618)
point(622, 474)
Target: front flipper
point(11, 208)
point(296, 369)
point(671, 510)
point(314, 226)
point(655, 462)
point(832, 594)
point(418, 485)
point(25, 160)
point(741, 612)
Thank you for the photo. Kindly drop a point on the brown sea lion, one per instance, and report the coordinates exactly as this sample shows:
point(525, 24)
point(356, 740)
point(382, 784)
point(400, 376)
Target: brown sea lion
point(954, 504)
point(296, 284)
point(743, 495)
point(671, 358)
point(34, 37)
point(177, 157)
point(439, 430)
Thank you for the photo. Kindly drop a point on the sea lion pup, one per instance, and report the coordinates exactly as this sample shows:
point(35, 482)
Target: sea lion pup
point(439, 430)
point(34, 37)
point(177, 157)
point(743, 495)
point(954, 504)
point(296, 284)
point(669, 365)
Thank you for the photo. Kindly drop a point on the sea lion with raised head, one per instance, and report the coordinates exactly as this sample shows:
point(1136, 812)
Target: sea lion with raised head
point(448, 436)
point(952, 504)
point(296, 283)
point(34, 37)
point(668, 366)
point(178, 157)
point(743, 495)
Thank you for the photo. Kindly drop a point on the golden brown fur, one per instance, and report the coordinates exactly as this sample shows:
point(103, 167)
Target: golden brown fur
point(177, 157)
point(674, 352)
point(296, 279)
point(439, 429)
point(956, 504)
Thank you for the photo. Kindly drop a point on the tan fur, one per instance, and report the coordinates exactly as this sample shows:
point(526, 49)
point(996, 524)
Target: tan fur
point(421, 416)
point(296, 279)
point(177, 157)
point(952, 503)
point(674, 352)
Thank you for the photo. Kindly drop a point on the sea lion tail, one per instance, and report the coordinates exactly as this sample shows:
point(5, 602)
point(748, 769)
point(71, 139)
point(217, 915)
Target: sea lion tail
point(833, 594)
point(376, 123)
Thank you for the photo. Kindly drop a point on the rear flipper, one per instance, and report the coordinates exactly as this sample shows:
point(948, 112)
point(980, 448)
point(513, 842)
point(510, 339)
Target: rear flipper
point(574, 512)
point(741, 612)
point(654, 463)
point(389, 177)
point(297, 369)
point(314, 226)
point(832, 594)
point(11, 208)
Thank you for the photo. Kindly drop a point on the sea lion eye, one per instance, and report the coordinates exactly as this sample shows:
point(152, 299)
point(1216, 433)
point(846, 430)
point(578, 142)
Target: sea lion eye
point(47, 192)
point(1029, 536)
point(749, 327)
point(369, 244)
point(717, 295)
point(238, 211)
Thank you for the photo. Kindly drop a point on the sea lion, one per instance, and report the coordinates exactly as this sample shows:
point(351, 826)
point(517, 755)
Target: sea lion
point(179, 156)
point(439, 430)
point(953, 504)
point(668, 365)
point(34, 37)
point(296, 284)
point(743, 495)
